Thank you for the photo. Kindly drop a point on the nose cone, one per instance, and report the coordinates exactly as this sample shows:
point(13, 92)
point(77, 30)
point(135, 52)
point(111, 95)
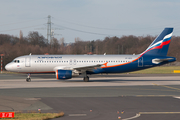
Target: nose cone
point(7, 67)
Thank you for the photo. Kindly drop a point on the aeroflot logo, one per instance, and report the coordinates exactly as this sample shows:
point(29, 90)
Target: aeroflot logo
point(49, 57)
point(6, 114)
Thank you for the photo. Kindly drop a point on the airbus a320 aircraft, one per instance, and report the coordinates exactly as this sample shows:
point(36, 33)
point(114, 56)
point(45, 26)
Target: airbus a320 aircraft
point(67, 66)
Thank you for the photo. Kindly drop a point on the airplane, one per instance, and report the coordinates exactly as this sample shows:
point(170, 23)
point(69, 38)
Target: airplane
point(68, 66)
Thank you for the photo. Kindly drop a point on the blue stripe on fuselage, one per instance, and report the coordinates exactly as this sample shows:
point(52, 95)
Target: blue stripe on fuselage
point(133, 66)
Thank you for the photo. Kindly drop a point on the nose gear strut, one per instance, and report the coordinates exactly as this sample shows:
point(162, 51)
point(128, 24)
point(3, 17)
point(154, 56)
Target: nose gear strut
point(28, 79)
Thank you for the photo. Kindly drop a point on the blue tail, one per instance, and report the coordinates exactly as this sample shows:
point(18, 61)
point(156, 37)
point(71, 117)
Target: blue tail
point(161, 44)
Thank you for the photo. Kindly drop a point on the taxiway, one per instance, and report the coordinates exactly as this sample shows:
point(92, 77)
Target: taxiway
point(129, 96)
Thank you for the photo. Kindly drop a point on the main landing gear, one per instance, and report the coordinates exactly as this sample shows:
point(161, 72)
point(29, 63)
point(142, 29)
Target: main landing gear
point(28, 79)
point(86, 78)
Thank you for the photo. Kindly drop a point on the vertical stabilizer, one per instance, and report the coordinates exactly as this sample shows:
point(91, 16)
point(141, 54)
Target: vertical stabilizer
point(160, 45)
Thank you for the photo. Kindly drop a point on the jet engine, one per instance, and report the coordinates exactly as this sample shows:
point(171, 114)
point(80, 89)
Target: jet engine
point(63, 74)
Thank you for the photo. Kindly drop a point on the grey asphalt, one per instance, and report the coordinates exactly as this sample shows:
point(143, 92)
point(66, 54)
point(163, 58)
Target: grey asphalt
point(95, 102)
point(110, 108)
point(46, 76)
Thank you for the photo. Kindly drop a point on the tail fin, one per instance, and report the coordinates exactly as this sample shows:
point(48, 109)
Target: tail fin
point(161, 44)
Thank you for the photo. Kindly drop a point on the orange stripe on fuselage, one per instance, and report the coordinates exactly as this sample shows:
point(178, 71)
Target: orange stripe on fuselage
point(105, 64)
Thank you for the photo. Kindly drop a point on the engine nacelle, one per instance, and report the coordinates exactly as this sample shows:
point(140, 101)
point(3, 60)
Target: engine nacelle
point(63, 74)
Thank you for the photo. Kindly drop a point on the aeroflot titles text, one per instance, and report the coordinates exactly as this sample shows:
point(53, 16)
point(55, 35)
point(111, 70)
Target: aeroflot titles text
point(49, 57)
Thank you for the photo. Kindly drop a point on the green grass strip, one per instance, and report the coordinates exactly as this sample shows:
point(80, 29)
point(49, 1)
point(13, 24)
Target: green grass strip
point(158, 70)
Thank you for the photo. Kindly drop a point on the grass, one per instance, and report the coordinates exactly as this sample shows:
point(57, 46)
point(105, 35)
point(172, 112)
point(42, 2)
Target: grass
point(35, 116)
point(158, 70)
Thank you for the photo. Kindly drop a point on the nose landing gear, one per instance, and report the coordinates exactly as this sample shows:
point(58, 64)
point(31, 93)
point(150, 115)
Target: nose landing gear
point(28, 79)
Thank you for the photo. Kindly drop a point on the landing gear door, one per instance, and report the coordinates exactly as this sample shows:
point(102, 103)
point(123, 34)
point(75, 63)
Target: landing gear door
point(140, 62)
point(28, 62)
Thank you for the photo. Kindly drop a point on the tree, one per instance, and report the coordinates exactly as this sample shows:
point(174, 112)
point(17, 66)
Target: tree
point(35, 39)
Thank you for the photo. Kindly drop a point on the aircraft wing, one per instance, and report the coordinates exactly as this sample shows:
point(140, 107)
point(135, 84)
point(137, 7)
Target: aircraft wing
point(80, 68)
point(87, 68)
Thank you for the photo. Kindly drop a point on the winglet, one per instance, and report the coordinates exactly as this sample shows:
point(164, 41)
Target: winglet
point(105, 64)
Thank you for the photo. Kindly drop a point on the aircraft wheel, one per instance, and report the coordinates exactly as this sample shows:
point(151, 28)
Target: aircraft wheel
point(86, 79)
point(28, 79)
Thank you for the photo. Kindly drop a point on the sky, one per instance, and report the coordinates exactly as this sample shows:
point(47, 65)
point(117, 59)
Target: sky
point(89, 19)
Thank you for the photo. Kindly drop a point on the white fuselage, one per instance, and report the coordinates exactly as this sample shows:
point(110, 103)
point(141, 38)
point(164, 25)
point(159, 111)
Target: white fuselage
point(50, 63)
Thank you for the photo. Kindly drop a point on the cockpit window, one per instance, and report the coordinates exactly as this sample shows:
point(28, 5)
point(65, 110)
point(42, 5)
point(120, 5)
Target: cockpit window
point(16, 61)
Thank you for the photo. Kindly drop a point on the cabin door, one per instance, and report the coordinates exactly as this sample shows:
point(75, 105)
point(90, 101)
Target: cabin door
point(27, 62)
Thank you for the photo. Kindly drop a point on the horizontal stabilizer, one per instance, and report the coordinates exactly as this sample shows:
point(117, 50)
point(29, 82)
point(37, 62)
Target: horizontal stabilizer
point(157, 60)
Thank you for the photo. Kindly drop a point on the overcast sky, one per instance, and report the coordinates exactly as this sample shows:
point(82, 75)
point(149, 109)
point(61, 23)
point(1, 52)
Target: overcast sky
point(89, 19)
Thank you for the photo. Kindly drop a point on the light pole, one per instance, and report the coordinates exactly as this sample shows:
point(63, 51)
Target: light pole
point(2, 62)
